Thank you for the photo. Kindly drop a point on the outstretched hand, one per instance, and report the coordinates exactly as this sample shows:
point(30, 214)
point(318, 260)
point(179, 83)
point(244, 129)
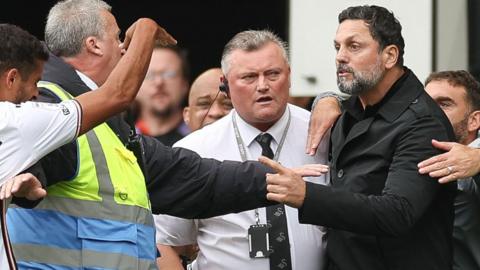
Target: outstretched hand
point(285, 186)
point(311, 170)
point(23, 185)
point(460, 161)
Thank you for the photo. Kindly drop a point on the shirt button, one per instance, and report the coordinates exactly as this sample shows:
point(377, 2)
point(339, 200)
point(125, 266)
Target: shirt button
point(340, 173)
point(415, 101)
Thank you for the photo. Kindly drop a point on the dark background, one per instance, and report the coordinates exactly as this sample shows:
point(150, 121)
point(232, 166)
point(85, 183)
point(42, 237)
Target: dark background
point(202, 27)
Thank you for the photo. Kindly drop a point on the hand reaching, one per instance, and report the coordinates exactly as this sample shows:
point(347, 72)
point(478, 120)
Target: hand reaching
point(23, 185)
point(460, 161)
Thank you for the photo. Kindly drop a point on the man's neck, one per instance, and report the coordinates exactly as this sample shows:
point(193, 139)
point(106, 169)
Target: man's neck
point(87, 66)
point(470, 138)
point(158, 125)
point(376, 94)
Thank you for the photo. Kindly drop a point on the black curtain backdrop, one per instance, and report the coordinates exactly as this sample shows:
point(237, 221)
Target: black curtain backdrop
point(201, 27)
point(474, 37)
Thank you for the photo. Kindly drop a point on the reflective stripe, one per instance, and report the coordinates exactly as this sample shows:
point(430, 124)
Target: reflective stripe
point(91, 209)
point(40, 266)
point(69, 232)
point(70, 257)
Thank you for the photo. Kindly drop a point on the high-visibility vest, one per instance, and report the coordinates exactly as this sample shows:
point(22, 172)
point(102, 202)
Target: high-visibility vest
point(100, 219)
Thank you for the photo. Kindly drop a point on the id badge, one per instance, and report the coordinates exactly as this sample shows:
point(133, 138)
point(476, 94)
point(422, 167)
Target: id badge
point(258, 241)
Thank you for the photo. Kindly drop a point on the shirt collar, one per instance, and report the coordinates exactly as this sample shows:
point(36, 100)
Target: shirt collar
point(475, 143)
point(89, 82)
point(249, 133)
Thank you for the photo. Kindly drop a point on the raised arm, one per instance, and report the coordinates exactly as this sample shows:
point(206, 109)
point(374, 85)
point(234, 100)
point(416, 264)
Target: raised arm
point(123, 83)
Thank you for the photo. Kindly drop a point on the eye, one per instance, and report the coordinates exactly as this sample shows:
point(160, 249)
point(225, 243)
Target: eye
point(354, 46)
point(336, 46)
point(444, 104)
point(227, 105)
point(273, 75)
point(249, 78)
point(202, 104)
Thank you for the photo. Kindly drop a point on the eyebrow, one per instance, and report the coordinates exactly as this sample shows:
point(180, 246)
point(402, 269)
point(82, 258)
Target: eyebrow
point(444, 98)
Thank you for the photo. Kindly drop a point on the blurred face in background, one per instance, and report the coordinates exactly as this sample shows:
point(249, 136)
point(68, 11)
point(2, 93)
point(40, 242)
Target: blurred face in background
point(203, 108)
point(164, 87)
point(453, 101)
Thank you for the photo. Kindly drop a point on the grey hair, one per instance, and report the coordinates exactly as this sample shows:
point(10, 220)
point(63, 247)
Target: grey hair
point(70, 22)
point(251, 40)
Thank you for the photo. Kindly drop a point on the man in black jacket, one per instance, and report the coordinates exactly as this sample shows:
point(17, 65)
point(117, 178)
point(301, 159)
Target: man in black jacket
point(381, 212)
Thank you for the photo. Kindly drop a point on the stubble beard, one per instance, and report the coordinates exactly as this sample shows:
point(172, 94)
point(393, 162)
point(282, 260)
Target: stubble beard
point(362, 81)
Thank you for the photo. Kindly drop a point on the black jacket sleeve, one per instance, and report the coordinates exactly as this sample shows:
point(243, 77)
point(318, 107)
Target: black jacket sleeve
point(403, 201)
point(183, 184)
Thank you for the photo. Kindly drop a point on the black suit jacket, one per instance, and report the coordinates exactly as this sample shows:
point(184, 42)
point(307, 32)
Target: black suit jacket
point(381, 212)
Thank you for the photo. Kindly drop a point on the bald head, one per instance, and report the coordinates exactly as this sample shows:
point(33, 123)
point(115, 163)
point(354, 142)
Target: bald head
point(201, 98)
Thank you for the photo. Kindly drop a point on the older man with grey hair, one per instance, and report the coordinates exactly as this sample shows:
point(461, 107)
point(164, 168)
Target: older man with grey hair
point(97, 213)
point(257, 79)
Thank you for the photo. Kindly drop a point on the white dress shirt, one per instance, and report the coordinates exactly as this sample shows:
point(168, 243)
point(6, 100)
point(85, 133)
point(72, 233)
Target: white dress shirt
point(29, 131)
point(223, 240)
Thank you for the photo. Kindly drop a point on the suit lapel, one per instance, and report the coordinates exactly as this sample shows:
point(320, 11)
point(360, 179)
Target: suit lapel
point(340, 140)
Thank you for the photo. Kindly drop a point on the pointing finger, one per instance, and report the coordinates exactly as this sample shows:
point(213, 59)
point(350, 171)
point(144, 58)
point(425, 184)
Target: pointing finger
point(277, 167)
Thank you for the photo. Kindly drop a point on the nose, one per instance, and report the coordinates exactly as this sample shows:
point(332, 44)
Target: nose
point(262, 85)
point(158, 80)
point(341, 56)
point(35, 93)
point(216, 112)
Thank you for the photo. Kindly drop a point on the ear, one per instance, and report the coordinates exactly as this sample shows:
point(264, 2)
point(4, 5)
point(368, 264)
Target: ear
point(186, 115)
point(473, 121)
point(289, 78)
point(92, 45)
point(390, 56)
point(11, 76)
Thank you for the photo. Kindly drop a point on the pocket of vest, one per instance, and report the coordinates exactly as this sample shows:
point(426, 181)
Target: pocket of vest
point(107, 236)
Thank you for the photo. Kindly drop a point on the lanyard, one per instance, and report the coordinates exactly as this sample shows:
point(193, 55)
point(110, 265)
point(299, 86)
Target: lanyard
point(243, 151)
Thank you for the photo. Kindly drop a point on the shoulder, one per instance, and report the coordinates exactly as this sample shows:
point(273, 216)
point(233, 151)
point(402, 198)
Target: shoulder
point(299, 116)
point(208, 136)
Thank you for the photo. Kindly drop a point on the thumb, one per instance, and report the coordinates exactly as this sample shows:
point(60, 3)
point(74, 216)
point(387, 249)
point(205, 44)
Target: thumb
point(446, 146)
point(36, 194)
point(277, 167)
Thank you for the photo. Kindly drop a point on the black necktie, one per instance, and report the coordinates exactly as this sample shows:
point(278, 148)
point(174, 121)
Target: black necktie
point(277, 220)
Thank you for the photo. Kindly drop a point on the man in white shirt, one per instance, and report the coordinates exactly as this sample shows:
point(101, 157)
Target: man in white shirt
point(257, 78)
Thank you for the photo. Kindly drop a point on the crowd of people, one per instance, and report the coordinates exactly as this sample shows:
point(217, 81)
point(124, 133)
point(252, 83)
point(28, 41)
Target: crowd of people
point(110, 159)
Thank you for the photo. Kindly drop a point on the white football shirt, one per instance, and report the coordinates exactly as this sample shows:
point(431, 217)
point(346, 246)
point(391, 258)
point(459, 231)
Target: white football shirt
point(29, 131)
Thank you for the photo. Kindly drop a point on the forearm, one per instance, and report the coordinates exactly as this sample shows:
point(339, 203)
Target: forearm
point(185, 185)
point(382, 215)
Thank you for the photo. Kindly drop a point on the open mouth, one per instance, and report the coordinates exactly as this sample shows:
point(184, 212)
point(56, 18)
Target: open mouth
point(264, 99)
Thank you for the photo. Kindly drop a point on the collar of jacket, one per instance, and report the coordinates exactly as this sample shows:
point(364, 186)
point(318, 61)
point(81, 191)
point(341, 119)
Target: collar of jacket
point(59, 72)
point(406, 91)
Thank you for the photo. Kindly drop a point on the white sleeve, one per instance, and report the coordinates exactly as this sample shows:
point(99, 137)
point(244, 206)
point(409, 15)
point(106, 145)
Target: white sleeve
point(174, 231)
point(30, 130)
point(53, 126)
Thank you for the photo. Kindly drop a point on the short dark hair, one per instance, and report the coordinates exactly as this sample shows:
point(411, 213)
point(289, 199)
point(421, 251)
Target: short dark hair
point(461, 78)
point(182, 55)
point(20, 49)
point(383, 26)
